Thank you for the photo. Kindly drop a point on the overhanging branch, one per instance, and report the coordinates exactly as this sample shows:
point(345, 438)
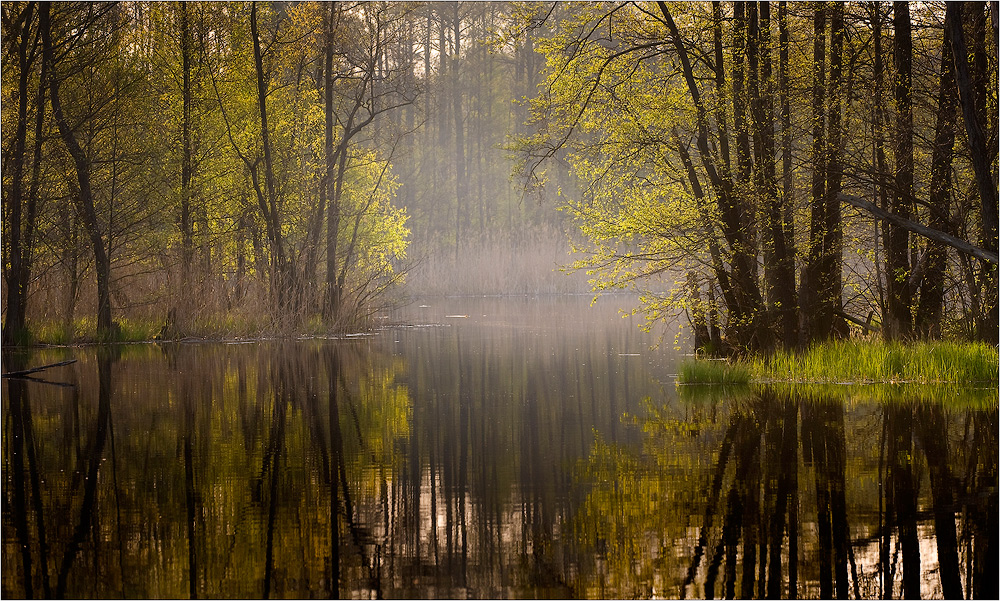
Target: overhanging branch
point(931, 234)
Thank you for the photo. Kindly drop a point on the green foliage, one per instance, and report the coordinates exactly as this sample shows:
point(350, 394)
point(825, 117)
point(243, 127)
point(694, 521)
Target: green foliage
point(664, 190)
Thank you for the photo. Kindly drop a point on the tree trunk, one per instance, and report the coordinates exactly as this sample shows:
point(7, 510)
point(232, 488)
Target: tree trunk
point(280, 280)
point(779, 272)
point(928, 318)
point(333, 219)
point(899, 318)
point(974, 115)
point(16, 271)
point(460, 183)
point(102, 263)
point(832, 288)
point(787, 185)
point(879, 190)
point(187, 167)
point(812, 277)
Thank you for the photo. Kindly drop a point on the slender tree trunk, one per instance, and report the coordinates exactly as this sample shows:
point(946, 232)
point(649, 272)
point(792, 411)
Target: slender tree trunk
point(899, 318)
point(280, 280)
point(928, 318)
point(878, 151)
point(460, 183)
point(790, 324)
point(187, 163)
point(333, 218)
point(30, 222)
point(812, 284)
point(102, 263)
point(832, 288)
point(15, 270)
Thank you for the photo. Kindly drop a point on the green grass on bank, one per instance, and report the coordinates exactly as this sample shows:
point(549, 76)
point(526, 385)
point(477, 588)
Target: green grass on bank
point(713, 371)
point(856, 362)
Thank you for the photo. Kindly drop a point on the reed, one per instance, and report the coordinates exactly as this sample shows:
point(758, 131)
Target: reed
point(712, 371)
point(882, 362)
point(858, 362)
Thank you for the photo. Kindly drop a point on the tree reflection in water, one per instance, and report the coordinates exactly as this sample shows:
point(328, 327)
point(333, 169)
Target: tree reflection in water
point(800, 500)
point(334, 469)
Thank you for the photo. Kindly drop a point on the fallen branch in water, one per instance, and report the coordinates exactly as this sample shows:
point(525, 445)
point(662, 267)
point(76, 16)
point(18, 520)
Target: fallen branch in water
point(22, 373)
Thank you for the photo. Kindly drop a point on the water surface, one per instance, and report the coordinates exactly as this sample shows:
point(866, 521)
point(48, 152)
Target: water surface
point(526, 447)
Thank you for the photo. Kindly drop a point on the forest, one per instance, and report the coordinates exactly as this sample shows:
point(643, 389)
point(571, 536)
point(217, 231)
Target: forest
point(777, 173)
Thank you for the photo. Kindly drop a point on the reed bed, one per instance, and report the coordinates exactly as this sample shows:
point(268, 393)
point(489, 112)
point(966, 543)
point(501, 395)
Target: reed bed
point(713, 371)
point(858, 362)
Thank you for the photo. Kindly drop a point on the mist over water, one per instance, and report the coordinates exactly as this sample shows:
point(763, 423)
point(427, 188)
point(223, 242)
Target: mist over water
point(530, 446)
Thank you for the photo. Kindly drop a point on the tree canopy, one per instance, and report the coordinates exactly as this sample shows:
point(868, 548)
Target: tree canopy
point(780, 173)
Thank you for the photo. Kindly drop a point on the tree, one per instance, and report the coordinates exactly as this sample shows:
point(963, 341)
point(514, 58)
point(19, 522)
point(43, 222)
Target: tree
point(983, 154)
point(928, 317)
point(81, 162)
point(714, 98)
point(20, 209)
point(899, 320)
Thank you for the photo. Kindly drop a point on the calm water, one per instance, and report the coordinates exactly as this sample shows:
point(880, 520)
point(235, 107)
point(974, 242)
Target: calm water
point(488, 448)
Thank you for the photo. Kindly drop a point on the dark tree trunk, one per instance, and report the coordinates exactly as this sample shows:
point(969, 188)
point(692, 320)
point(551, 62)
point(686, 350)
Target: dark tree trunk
point(280, 280)
point(831, 303)
point(974, 114)
point(102, 263)
point(898, 322)
point(20, 211)
point(13, 267)
point(878, 151)
point(328, 194)
point(929, 310)
point(745, 330)
point(791, 326)
point(812, 321)
point(780, 270)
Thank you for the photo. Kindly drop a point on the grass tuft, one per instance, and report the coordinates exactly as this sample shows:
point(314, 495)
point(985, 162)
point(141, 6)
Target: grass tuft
point(702, 371)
